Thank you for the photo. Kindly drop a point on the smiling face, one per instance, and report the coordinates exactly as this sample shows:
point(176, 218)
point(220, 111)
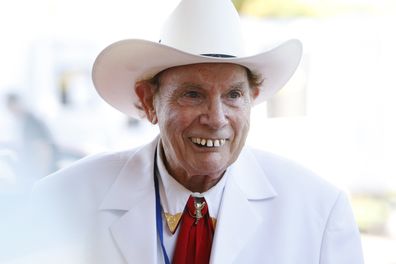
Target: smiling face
point(203, 112)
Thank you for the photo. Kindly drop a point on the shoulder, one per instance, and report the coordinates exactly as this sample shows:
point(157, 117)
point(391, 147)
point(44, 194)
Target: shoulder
point(92, 176)
point(72, 196)
point(301, 194)
point(291, 178)
point(93, 168)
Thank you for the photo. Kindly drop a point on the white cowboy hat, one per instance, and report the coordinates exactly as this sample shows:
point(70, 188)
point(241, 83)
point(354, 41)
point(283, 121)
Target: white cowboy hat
point(198, 31)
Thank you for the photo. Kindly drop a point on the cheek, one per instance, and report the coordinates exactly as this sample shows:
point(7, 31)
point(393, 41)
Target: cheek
point(243, 111)
point(174, 121)
point(163, 109)
point(242, 124)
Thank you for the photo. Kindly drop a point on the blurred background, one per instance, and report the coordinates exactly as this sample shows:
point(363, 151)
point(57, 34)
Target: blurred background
point(336, 115)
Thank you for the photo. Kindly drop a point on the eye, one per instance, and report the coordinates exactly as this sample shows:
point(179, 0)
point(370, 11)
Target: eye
point(235, 94)
point(191, 97)
point(192, 94)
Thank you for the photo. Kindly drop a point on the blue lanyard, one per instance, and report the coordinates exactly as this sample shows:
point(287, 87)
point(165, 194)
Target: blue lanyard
point(158, 210)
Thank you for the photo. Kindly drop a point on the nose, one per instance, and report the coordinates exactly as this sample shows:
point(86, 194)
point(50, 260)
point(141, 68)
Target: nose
point(215, 115)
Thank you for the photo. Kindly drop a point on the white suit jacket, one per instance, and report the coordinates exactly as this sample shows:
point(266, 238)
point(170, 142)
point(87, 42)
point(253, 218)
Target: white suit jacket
point(273, 211)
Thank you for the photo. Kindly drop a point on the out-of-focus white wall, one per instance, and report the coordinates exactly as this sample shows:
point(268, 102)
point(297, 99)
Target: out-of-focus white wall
point(344, 127)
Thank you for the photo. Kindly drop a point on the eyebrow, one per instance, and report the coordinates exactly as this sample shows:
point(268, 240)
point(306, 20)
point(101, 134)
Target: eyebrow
point(190, 85)
point(238, 85)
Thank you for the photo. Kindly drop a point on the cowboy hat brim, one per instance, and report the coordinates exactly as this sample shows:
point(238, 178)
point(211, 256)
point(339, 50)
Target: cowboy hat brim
point(119, 66)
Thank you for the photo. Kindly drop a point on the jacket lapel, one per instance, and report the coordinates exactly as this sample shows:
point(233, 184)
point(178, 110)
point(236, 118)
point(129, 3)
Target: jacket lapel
point(134, 231)
point(238, 219)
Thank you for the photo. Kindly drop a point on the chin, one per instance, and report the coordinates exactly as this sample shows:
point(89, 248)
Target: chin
point(209, 168)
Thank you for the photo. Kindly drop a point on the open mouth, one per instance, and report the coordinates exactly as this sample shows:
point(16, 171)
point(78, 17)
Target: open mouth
point(208, 142)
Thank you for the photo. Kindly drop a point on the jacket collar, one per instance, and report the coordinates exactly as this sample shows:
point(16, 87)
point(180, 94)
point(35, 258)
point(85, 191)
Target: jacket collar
point(134, 181)
point(133, 192)
point(246, 183)
point(250, 176)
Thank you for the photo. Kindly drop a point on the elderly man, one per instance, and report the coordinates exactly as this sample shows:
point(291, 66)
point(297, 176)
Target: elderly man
point(196, 194)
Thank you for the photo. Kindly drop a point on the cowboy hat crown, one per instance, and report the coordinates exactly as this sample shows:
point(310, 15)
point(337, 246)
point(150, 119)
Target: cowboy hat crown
point(198, 31)
point(204, 27)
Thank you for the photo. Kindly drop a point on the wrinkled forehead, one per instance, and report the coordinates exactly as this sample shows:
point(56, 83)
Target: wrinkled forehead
point(219, 72)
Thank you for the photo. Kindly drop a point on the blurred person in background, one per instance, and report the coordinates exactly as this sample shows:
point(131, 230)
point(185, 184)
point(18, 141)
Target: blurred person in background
point(35, 147)
point(196, 193)
point(30, 156)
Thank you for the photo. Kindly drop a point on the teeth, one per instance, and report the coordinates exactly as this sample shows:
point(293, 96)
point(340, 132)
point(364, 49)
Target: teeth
point(210, 143)
point(217, 143)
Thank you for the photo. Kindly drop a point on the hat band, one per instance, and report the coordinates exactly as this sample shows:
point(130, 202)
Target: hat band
point(218, 55)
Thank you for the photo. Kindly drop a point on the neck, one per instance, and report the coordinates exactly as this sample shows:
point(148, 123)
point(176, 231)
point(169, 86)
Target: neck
point(198, 183)
point(193, 182)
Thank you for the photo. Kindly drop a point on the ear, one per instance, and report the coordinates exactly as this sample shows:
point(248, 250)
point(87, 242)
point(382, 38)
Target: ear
point(254, 92)
point(145, 92)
